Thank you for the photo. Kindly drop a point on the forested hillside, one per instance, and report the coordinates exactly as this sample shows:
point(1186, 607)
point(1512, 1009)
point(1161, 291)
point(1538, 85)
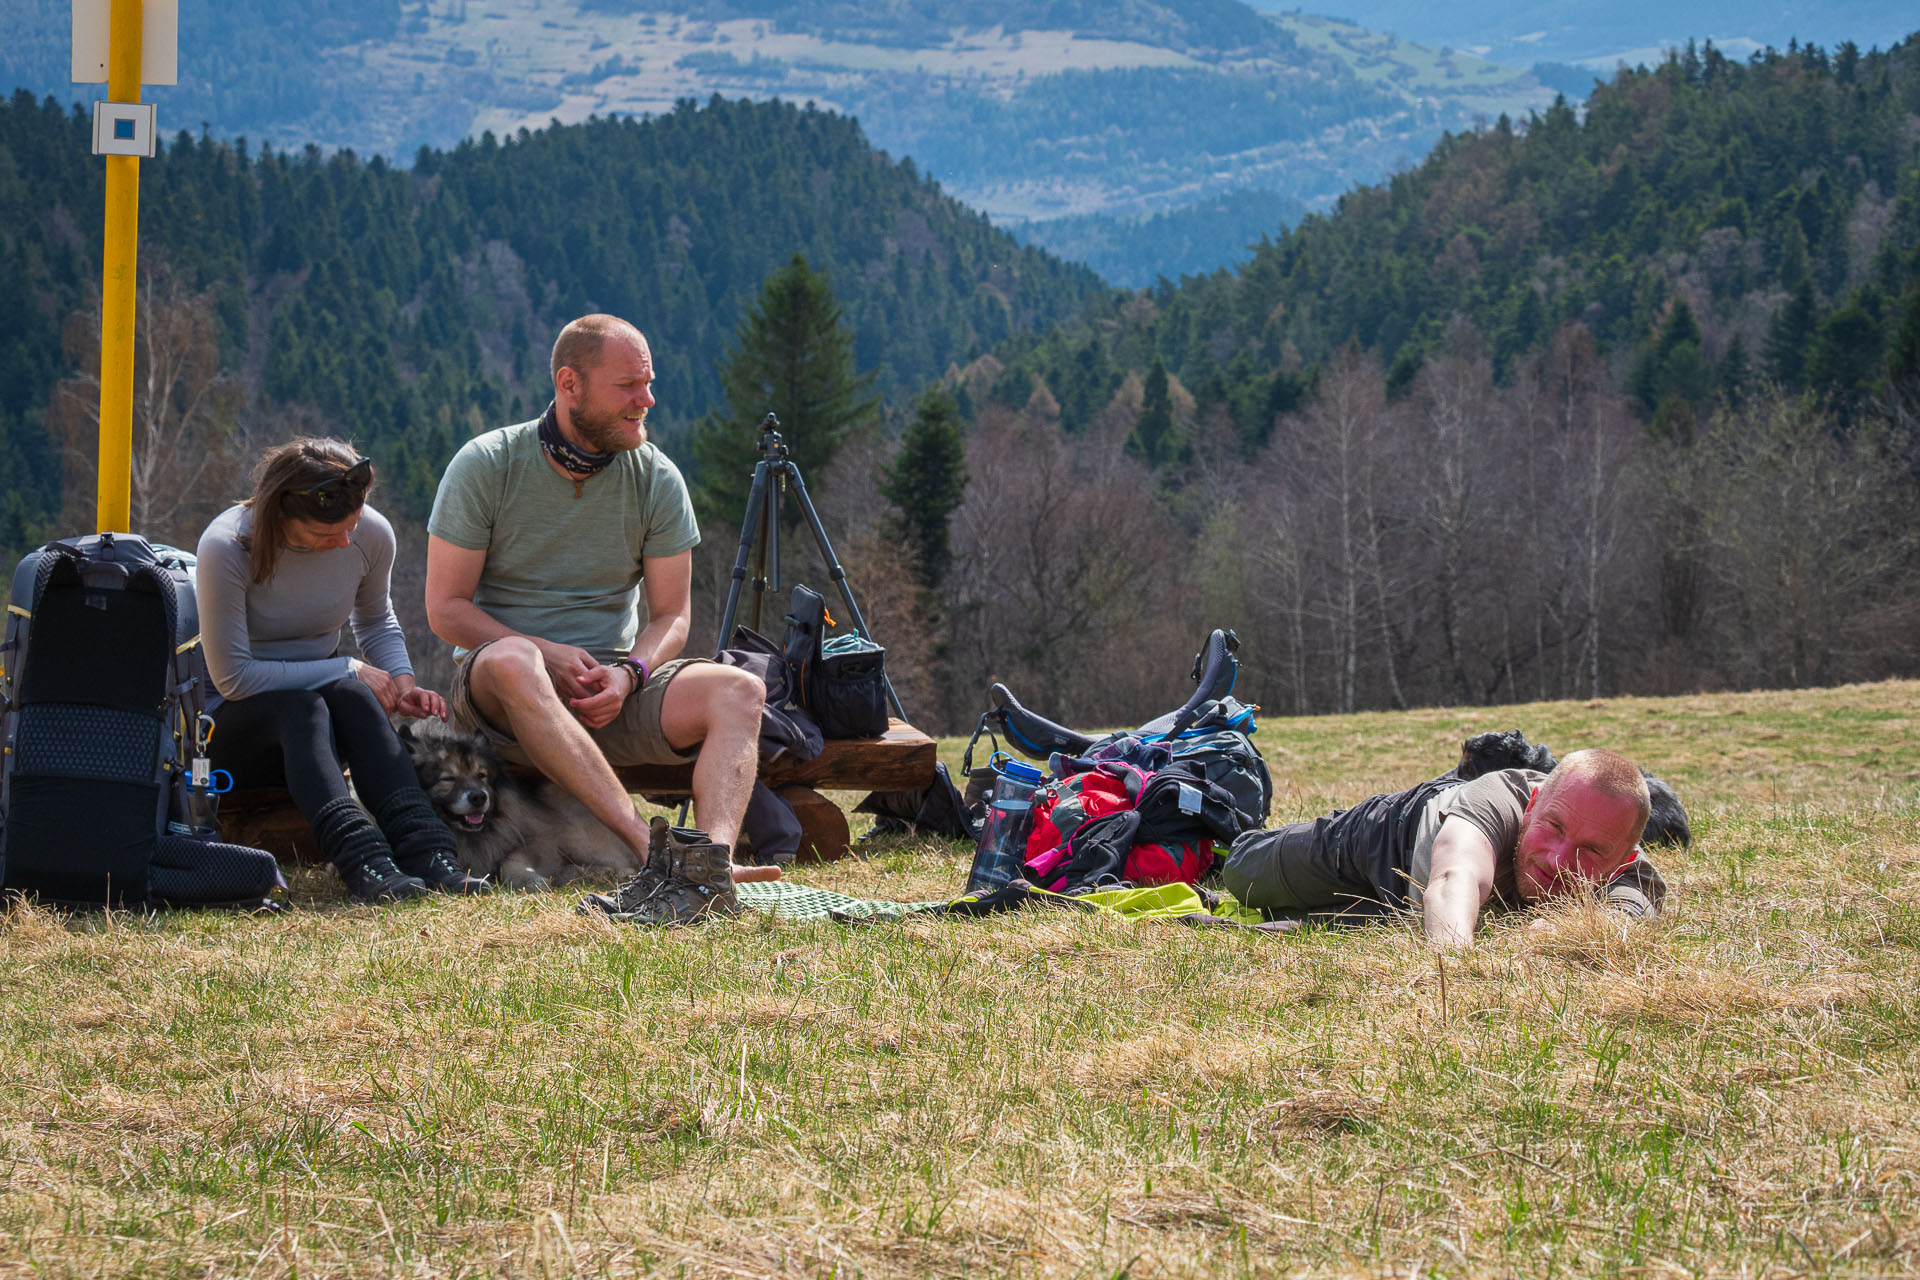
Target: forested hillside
point(411, 308)
point(1779, 199)
point(1580, 406)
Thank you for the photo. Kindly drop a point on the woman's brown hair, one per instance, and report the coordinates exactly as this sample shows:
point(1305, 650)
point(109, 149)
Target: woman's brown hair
point(284, 488)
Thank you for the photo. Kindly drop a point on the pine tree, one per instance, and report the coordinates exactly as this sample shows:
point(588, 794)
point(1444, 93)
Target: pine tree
point(1675, 363)
point(1736, 370)
point(1846, 358)
point(793, 358)
point(926, 481)
point(1793, 254)
point(1787, 337)
point(1153, 440)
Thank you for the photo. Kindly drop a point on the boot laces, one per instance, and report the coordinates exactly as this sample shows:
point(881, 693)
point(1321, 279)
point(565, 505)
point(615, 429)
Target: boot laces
point(642, 887)
point(441, 863)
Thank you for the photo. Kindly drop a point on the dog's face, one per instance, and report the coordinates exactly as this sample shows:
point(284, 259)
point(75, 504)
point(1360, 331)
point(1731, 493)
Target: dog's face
point(460, 772)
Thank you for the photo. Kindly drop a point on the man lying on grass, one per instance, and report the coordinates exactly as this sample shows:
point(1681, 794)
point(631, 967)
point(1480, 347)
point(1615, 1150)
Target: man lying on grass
point(1447, 848)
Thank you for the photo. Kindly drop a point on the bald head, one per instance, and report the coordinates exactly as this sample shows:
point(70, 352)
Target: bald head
point(1610, 774)
point(579, 345)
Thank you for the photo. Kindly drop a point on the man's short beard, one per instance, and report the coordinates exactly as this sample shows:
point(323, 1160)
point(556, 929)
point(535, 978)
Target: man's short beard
point(607, 434)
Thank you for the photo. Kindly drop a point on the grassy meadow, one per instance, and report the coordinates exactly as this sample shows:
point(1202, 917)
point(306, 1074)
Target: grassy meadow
point(499, 1087)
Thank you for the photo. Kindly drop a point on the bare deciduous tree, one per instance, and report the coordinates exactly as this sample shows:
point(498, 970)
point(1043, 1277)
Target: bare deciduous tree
point(188, 448)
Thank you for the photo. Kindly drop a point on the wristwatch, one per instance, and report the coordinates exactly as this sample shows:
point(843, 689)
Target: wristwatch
point(640, 672)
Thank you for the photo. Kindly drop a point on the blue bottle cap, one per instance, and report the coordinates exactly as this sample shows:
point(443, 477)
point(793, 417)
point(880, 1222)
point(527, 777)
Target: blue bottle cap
point(1020, 771)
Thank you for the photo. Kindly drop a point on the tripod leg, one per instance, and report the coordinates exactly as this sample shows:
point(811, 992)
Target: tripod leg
point(836, 571)
point(760, 562)
point(756, 503)
point(776, 485)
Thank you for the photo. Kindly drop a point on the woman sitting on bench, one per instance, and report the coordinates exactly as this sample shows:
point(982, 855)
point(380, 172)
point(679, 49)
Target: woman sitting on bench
point(278, 575)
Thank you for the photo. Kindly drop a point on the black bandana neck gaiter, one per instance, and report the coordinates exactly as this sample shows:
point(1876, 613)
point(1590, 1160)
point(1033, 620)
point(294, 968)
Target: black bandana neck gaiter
point(581, 462)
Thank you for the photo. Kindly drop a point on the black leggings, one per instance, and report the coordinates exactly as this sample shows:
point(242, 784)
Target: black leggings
point(302, 737)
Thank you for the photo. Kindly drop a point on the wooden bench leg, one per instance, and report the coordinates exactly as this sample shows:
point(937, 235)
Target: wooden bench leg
point(280, 830)
point(824, 835)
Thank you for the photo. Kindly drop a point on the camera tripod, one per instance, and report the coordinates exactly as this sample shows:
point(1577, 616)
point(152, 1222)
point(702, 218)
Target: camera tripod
point(760, 541)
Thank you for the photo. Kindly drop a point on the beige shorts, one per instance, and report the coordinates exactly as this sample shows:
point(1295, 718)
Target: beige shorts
point(632, 737)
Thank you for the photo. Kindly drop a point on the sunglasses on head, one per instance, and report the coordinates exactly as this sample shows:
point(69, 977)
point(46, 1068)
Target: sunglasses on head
point(336, 492)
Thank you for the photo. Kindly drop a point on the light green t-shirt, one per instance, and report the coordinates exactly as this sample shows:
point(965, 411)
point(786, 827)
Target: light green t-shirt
point(562, 567)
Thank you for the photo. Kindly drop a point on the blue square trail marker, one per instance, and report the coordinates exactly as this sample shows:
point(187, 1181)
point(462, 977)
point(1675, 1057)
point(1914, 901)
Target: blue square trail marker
point(123, 130)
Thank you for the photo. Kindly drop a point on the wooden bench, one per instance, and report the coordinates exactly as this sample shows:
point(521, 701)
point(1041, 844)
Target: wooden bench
point(901, 760)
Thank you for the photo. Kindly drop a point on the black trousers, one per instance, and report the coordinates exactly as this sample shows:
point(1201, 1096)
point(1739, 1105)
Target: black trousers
point(1351, 864)
point(301, 739)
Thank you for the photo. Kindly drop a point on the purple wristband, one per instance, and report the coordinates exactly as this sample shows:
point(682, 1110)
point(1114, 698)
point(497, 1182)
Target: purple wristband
point(640, 672)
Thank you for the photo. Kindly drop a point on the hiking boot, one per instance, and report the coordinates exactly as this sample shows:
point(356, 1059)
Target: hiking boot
point(347, 835)
point(440, 873)
point(698, 885)
point(694, 880)
point(642, 885)
point(421, 843)
point(378, 880)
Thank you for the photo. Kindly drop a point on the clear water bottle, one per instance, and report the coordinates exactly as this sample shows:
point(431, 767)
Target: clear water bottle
point(194, 811)
point(1001, 853)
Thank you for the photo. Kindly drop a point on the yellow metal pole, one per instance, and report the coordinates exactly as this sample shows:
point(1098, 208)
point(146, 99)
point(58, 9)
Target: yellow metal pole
point(117, 276)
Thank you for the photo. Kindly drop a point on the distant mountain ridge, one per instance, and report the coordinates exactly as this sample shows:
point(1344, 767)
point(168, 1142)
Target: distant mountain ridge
point(1219, 233)
point(1604, 33)
point(1038, 109)
point(1191, 26)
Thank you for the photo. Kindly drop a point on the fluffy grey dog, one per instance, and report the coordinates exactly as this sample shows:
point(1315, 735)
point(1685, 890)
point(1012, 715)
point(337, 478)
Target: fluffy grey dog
point(527, 833)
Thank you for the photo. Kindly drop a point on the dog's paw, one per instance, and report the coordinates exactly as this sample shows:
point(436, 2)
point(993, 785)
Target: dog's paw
point(527, 881)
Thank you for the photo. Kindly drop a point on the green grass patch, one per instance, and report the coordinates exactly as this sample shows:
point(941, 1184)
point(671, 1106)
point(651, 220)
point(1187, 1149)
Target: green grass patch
point(502, 1087)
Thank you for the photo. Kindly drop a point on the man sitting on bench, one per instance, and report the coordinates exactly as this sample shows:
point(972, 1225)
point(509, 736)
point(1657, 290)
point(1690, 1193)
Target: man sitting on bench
point(542, 538)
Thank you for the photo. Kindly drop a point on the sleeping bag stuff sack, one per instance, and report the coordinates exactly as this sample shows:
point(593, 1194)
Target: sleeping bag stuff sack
point(101, 679)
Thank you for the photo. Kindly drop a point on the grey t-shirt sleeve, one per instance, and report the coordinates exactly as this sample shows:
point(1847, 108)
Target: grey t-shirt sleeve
point(671, 527)
point(375, 627)
point(220, 584)
point(1494, 803)
point(1638, 891)
point(463, 506)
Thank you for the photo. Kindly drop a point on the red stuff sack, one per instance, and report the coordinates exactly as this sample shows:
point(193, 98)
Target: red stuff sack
point(1066, 805)
point(1170, 863)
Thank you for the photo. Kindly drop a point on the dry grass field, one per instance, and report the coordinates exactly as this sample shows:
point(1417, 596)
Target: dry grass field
point(499, 1087)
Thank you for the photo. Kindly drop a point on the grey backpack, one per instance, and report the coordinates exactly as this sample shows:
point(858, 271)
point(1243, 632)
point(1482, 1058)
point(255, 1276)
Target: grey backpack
point(1228, 757)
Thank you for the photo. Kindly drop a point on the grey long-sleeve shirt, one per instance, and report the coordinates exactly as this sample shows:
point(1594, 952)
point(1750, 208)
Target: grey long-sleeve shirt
point(281, 634)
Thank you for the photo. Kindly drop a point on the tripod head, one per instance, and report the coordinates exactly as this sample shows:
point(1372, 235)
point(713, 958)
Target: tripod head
point(773, 446)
